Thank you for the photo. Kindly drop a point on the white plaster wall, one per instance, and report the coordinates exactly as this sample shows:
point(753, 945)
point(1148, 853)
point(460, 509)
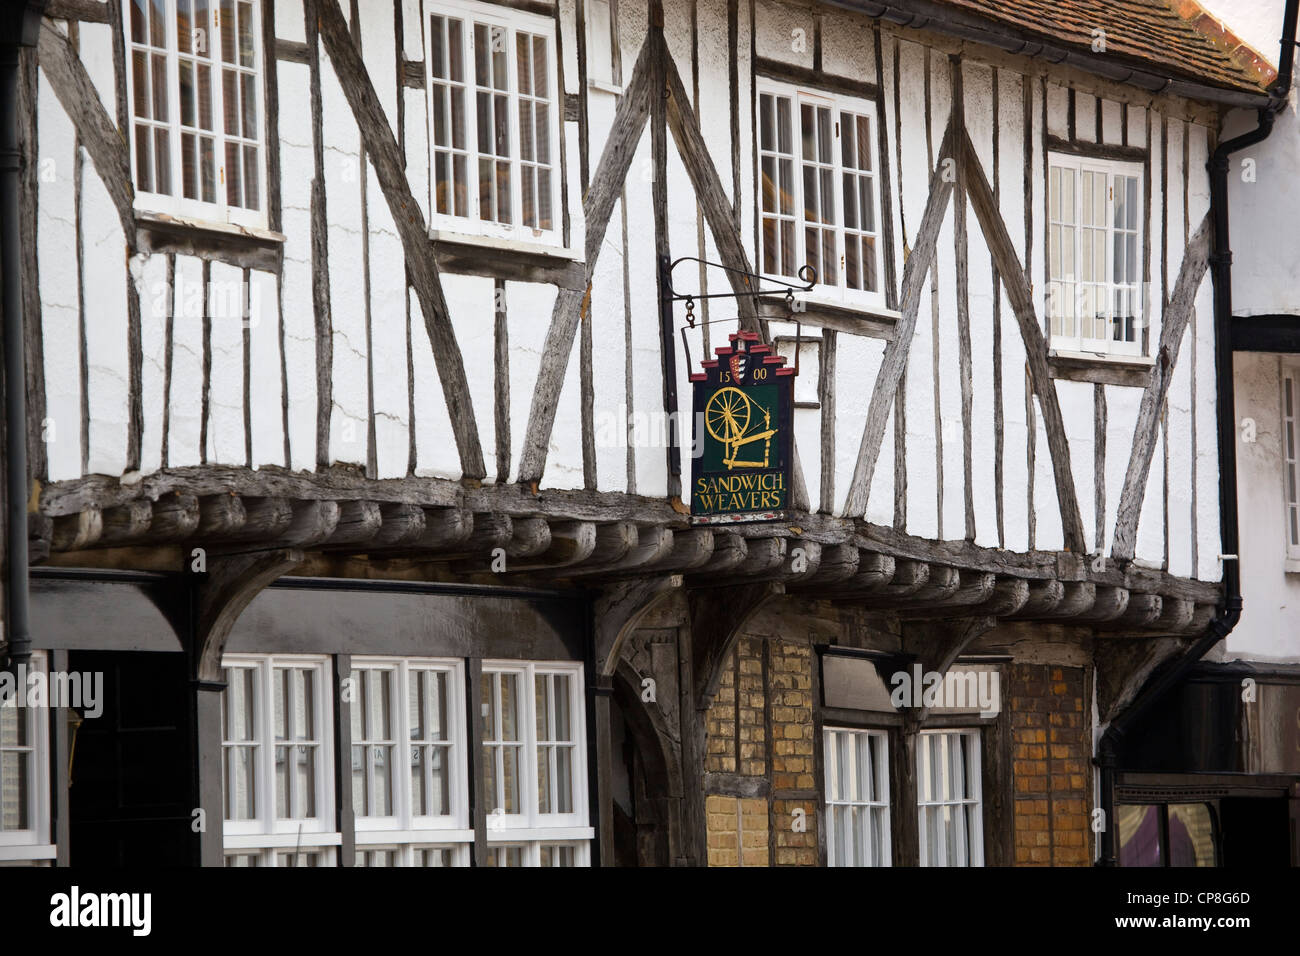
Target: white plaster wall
point(150, 276)
point(1268, 628)
point(226, 390)
point(104, 289)
point(848, 49)
point(57, 259)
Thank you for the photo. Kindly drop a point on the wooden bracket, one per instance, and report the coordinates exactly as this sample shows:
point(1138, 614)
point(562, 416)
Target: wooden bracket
point(1123, 667)
point(936, 644)
point(619, 609)
point(230, 584)
point(717, 624)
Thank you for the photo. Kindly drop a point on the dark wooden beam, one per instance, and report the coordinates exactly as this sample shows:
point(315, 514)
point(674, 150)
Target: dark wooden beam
point(597, 205)
point(96, 130)
point(390, 169)
point(1145, 431)
point(88, 11)
point(1021, 300)
point(894, 362)
point(1266, 333)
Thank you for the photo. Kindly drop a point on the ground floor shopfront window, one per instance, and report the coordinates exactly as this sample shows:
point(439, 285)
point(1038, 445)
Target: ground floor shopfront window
point(407, 766)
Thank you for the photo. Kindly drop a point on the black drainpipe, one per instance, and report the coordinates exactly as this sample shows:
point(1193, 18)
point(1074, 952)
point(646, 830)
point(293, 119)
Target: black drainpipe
point(1221, 274)
point(19, 27)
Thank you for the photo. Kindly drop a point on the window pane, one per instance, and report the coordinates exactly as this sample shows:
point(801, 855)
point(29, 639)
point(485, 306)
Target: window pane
point(433, 856)
point(246, 26)
point(227, 31)
point(509, 706)
point(1191, 835)
point(15, 781)
point(1139, 834)
point(139, 19)
point(140, 83)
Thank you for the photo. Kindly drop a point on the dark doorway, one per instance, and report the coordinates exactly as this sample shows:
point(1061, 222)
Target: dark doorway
point(131, 797)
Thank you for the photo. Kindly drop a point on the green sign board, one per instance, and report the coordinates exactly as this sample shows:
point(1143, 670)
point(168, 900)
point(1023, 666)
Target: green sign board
point(742, 415)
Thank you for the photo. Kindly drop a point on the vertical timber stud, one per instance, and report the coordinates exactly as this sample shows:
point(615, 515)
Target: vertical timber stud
point(205, 738)
point(346, 812)
point(659, 194)
point(474, 721)
point(670, 368)
point(602, 690)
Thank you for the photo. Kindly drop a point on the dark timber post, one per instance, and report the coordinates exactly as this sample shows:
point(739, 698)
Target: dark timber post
point(205, 701)
point(602, 689)
point(670, 376)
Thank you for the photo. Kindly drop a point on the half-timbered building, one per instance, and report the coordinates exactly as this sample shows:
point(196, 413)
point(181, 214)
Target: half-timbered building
point(358, 426)
point(1220, 743)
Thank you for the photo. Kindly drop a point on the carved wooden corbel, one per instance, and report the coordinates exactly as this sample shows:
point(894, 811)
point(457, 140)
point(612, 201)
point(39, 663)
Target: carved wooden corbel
point(716, 626)
point(618, 610)
point(227, 588)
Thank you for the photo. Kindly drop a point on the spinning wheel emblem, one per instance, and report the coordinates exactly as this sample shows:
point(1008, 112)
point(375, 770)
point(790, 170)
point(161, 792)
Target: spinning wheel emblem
point(727, 417)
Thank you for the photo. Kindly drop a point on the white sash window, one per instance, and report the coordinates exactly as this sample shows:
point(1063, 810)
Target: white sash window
point(534, 764)
point(25, 778)
point(949, 791)
point(857, 797)
point(494, 123)
point(1094, 222)
point(278, 761)
point(819, 195)
point(194, 96)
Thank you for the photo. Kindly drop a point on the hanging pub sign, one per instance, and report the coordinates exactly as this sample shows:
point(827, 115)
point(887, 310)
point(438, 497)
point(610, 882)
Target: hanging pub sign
point(742, 406)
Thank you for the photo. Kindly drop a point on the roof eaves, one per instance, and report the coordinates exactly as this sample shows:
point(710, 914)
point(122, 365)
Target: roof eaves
point(929, 14)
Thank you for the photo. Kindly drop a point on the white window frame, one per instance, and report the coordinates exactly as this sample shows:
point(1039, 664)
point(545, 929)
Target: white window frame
point(835, 797)
point(266, 832)
point(1290, 453)
point(530, 827)
point(973, 846)
point(404, 854)
point(176, 205)
point(33, 843)
point(284, 856)
point(406, 831)
point(839, 103)
point(602, 45)
point(472, 227)
point(1073, 284)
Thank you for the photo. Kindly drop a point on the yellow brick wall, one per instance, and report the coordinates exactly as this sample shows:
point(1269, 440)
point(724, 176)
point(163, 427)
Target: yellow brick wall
point(742, 831)
point(737, 831)
point(1051, 749)
point(790, 679)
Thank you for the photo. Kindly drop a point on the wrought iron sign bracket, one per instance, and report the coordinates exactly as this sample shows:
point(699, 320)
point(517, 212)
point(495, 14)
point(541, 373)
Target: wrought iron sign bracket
point(807, 275)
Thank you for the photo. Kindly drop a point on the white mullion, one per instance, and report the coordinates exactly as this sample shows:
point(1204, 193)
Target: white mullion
point(552, 750)
point(923, 759)
point(862, 834)
point(216, 46)
point(528, 796)
point(514, 145)
point(837, 188)
point(399, 727)
point(977, 777)
point(266, 705)
point(172, 16)
point(943, 797)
